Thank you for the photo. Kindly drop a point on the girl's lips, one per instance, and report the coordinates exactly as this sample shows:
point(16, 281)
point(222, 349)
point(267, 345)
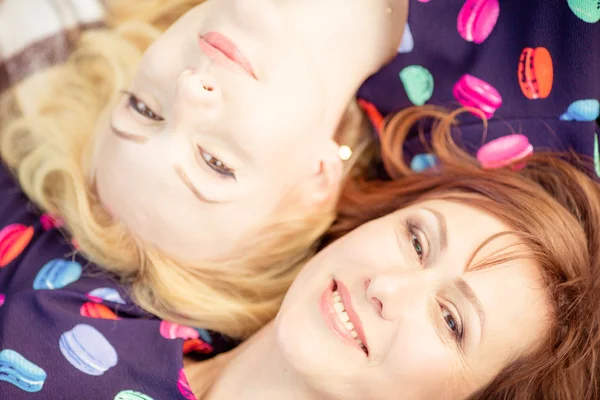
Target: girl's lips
point(222, 48)
point(332, 319)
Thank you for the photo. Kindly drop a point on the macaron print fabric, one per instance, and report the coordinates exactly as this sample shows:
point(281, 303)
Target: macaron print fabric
point(529, 67)
point(22, 373)
point(70, 330)
point(88, 350)
point(13, 240)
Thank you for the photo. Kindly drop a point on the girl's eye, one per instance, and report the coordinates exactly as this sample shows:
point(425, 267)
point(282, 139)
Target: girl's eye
point(416, 243)
point(452, 323)
point(216, 164)
point(142, 108)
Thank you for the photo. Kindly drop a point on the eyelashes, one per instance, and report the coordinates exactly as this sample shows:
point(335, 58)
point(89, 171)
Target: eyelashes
point(417, 239)
point(215, 164)
point(142, 108)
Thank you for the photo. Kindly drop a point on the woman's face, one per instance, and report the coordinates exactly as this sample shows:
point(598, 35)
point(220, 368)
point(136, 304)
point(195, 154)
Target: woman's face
point(392, 311)
point(230, 111)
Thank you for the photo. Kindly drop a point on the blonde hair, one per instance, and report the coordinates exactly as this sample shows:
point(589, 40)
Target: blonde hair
point(50, 153)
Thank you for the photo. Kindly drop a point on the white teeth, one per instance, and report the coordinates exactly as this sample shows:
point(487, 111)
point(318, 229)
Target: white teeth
point(345, 318)
point(339, 308)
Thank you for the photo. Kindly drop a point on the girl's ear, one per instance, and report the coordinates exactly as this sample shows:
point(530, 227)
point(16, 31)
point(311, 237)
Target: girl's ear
point(325, 183)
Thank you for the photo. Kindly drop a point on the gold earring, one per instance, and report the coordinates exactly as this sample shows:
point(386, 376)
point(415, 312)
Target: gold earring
point(389, 10)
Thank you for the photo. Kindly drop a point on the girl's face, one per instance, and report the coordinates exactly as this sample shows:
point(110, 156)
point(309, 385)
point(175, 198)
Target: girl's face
point(392, 311)
point(230, 111)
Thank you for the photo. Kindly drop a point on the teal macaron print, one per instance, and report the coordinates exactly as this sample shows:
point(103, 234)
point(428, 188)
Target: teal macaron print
point(586, 10)
point(16, 369)
point(57, 274)
point(582, 110)
point(418, 83)
point(132, 395)
point(87, 349)
point(596, 155)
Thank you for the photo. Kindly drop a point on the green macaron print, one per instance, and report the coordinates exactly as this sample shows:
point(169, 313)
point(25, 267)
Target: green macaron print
point(131, 395)
point(418, 83)
point(586, 10)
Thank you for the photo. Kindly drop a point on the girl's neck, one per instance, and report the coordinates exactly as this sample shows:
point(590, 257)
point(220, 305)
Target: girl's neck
point(252, 370)
point(350, 40)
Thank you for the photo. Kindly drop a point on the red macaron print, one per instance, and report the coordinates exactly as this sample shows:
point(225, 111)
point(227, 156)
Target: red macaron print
point(13, 240)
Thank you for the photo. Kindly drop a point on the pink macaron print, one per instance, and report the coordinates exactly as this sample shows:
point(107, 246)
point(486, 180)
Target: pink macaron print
point(505, 151)
point(49, 222)
point(477, 19)
point(184, 386)
point(171, 330)
point(472, 92)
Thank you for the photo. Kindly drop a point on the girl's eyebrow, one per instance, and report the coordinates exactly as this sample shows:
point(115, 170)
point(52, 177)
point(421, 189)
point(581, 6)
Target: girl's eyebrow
point(187, 182)
point(128, 136)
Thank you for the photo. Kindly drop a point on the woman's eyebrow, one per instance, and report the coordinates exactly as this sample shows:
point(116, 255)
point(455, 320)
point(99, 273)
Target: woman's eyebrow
point(470, 295)
point(442, 226)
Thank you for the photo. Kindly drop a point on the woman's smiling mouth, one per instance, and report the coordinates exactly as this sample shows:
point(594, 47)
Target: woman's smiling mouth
point(340, 317)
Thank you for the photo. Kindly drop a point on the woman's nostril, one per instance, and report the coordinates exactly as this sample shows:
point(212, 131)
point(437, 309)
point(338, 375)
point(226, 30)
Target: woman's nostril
point(378, 304)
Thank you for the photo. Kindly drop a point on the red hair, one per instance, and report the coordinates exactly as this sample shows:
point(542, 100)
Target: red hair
point(552, 204)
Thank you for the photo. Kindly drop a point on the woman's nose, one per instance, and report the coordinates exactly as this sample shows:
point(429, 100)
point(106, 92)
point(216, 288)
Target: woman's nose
point(398, 293)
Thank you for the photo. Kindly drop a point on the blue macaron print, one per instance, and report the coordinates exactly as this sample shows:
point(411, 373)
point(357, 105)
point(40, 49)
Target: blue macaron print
point(88, 350)
point(422, 162)
point(204, 335)
point(57, 274)
point(16, 369)
point(107, 294)
point(586, 110)
point(408, 42)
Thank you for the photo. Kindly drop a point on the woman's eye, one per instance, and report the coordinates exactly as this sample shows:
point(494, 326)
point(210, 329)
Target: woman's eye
point(216, 164)
point(142, 108)
point(416, 243)
point(452, 323)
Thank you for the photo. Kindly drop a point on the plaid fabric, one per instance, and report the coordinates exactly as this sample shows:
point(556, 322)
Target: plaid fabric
point(35, 37)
